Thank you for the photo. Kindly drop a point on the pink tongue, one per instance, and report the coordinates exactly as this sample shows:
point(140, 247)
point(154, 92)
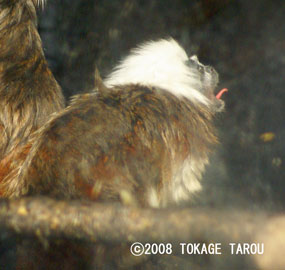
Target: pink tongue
point(219, 95)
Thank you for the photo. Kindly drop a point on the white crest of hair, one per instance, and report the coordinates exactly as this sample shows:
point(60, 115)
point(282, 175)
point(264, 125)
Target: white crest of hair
point(160, 64)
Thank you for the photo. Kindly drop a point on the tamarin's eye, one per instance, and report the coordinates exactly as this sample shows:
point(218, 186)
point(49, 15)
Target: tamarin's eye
point(210, 69)
point(194, 64)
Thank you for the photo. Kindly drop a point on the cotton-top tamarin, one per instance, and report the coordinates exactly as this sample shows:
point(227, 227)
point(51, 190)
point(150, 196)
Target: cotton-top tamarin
point(142, 137)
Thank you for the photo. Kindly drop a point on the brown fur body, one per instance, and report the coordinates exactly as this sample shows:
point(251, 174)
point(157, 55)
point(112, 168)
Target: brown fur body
point(123, 144)
point(29, 94)
point(129, 139)
point(131, 143)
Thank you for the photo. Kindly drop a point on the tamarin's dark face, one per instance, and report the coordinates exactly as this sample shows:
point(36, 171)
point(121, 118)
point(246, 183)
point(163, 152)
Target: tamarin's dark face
point(209, 79)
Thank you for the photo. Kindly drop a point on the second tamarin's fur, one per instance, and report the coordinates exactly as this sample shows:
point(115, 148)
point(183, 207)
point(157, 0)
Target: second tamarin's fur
point(29, 93)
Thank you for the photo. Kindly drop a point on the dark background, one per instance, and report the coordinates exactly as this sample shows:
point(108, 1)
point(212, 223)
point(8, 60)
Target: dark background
point(244, 40)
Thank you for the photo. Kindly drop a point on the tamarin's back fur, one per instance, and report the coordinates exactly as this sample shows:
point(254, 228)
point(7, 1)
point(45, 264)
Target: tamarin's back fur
point(139, 141)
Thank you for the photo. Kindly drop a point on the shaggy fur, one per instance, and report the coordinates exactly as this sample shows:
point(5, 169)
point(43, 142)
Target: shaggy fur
point(29, 94)
point(148, 143)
